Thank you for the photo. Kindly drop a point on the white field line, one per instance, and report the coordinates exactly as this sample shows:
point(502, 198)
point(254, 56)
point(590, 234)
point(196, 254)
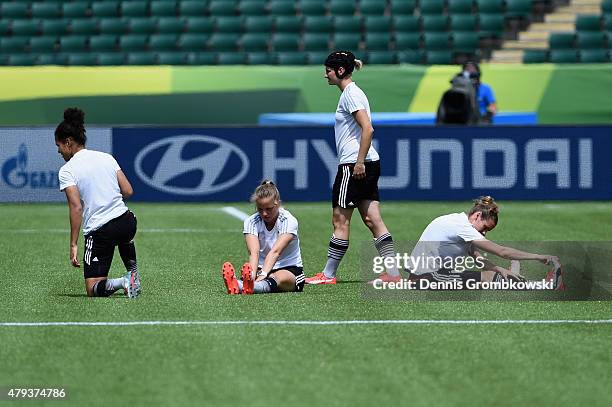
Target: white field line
point(236, 213)
point(140, 230)
point(348, 322)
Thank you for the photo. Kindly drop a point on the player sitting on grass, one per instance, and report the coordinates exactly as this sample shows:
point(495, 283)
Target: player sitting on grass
point(271, 236)
point(462, 235)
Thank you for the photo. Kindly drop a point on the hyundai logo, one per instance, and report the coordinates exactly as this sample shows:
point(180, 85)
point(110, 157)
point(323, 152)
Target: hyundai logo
point(191, 165)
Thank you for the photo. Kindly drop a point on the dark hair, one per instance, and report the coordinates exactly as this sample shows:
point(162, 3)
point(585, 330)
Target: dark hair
point(72, 126)
point(487, 207)
point(344, 59)
point(266, 189)
point(476, 74)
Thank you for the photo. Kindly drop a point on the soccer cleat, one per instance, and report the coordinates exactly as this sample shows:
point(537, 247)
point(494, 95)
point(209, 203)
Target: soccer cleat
point(556, 276)
point(247, 279)
point(320, 278)
point(229, 278)
point(386, 278)
point(131, 284)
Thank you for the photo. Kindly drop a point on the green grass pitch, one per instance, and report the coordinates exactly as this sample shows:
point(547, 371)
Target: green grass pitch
point(180, 250)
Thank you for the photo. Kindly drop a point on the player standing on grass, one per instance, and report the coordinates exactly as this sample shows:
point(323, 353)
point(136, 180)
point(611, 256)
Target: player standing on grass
point(95, 187)
point(271, 236)
point(356, 184)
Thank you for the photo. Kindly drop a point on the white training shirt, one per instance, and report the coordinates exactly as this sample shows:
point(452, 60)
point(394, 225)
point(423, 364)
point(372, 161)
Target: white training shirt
point(286, 223)
point(446, 236)
point(95, 175)
point(346, 129)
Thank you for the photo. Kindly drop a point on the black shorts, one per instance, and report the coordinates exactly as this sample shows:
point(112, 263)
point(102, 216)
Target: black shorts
point(348, 191)
point(100, 244)
point(298, 272)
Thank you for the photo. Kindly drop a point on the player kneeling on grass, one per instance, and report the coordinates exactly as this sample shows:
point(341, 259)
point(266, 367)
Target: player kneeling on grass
point(271, 236)
point(95, 188)
point(459, 236)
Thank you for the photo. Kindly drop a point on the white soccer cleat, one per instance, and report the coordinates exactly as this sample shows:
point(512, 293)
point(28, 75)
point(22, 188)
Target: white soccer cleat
point(131, 284)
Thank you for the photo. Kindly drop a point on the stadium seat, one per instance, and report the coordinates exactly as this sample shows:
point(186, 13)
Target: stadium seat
point(318, 24)
point(313, 7)
point(594, 56)
point(113, 26)
point(409, 57)
point(81, 59)
point(142, 25)
point(431, 7)
point(163, 8)
point(346, 41)
point(316, 57)
point(438, 57)
point(223, 42)
point(231, 58)
point(5, 28)
point(231, 24)
point(285, 42)
point(46, 10)
point(519, 8)
point(193, 42)
point(403, 7)
point(377, 24)
point(291, 24)
point(73, 43)
point(535, 56)
point(43, 44)
point(168, 25)
point(134, 8)
point(290, 58)
point(608, 22)
point(171, 58)
point(259, 58)
point(111, 58)
point(590, 40)
point(465, 42)
point(141, 58)
point(252, 7)
point(434, 23)
point(48, 59)
point(199, 25)
point(381, 57)
point(377, 41)
point(13, 44)
point(254, 41)
point(222, 8)
point(372, 7)
point(406, 23)
point(21, 60)
point(55, 27)
point(133, 42)
point(563, 56)
point(490, 6)
point(348, 24)
point(282, 8)
point(407, 40)
point(103, 43)
point(105, 9)
point(25, 27)
point(588, 22)
point(606, 6)
point(435, 40)
point(76, 10)
point(342, 7)
point(14, 10)
point(463, 22)
point(315, 41)
point(561, 40)
point(258, 24)
point(460, 6)
point(163, 42)
point(84, 26)
point(201, 58)
point(192, 8)
point(491, 24)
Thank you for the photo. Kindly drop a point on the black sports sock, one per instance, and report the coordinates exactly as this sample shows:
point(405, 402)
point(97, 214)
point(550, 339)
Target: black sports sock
point(127, 251)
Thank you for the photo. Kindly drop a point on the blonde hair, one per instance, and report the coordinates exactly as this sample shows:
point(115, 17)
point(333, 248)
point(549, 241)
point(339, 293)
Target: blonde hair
point(266, 189)
point(486, 206)
point(358, 64)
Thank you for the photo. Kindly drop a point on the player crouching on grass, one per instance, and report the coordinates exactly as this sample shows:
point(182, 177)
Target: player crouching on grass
point(271, 236)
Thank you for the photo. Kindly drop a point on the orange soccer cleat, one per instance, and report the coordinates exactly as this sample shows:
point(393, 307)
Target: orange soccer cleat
point(247, 279)
point(229, 278)
point(319, 279)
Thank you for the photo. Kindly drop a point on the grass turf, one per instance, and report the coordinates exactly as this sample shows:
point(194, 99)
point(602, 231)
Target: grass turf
point(180, 249)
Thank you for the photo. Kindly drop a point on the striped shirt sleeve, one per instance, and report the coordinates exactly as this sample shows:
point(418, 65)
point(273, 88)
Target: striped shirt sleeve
point(354, 101)
point(289, 225)
point(250, 225)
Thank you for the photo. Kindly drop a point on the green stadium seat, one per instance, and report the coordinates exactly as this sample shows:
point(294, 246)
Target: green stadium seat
point(193, 42)
point(409, 57)
point(105, 8)
point(290, 58)
point(382, 57)
point(134, 8)
point(372, 7)
point(111, 58)
point(113, 26)
point(142, 25)
point(342, 7)
point(163, 8)
point(318, 24)
point(163, 42)
point(84, 26)
point(348, 24)
point(231, 58)
point(223, 42)
point(463, 22)
point(313, 7)
point(285, 42)
point(519, 8)
point(561, 40)
point(438, 57)
point(406, 23)
point(133, 42)
point(73, 43)
point(315, 41)
point(316, 57)
point(55, 27)
point(460, 6)
point(435, 40)
point(258, 24)
point(49, 59)
point(171, 58)
point(608, 22)
point(13, 44)
point(201, 58)
point(465, 42)
point(5, 27)
point(81, 59)
point(222, 7)
point(377, 41)
point(259, 58)
point(491, 24)
point(431, 7)
point(254, 41)
point(563, 56)
point(192, 8)
point(252, 7)
point(535, 56)
point(377, 24)
point(590, 40)
point(43, 44)
point(140, 58)
point(346, 41)
point(586, 22)
point(46, 10)
point(199, 24)
point(403, 7)
point(594, 55)
point(14, 10)
point(25, 27)
point(606, 6)
point(490, 6)
point(169, 25)
point(103, 43)
point(434, 22)
point(21, 60)
point(282, 8)
point(407, 40)
point(76, 10)
point(227, 24)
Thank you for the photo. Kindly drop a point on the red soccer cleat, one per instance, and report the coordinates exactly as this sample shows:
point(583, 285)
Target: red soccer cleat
point(319, 279)
point(247, 279)
point(386, 278)
point(229, 278)
point(556, 276)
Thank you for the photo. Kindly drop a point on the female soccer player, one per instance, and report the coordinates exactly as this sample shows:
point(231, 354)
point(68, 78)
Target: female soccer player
point(356, 184)
point(271, 236)
point(95, 187)
point(459, 236)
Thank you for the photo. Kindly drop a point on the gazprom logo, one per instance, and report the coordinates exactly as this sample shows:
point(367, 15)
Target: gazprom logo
point(15, 173)
point(191, 165)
